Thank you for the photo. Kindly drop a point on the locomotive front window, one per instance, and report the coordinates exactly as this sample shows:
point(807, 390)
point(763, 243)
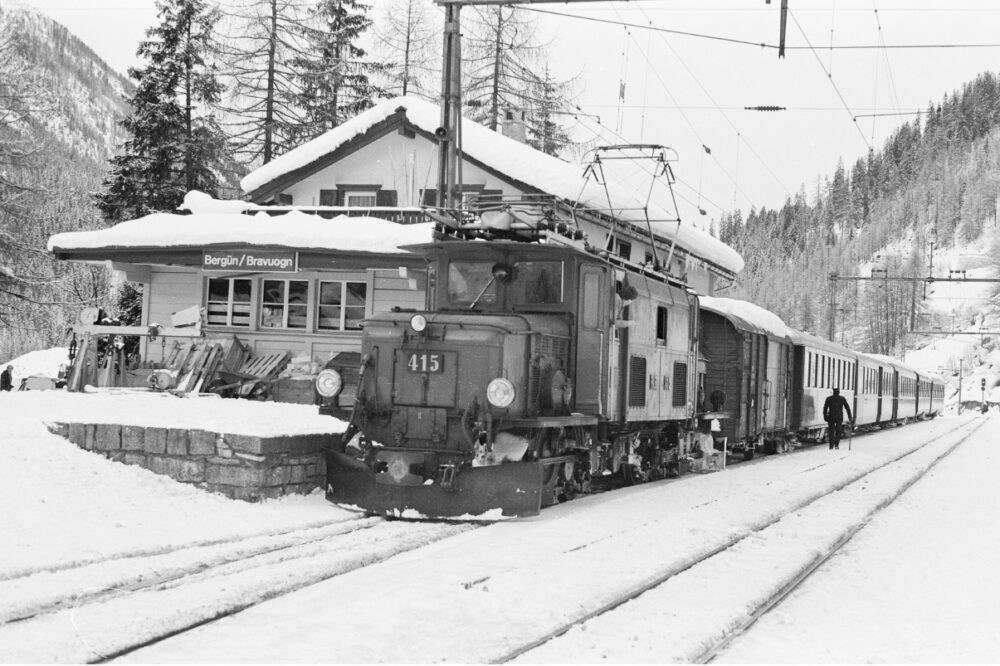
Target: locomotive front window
point(537, 283)
point(472, 282)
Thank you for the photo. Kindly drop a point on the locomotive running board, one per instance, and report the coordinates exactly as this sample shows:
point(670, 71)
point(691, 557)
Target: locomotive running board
point(510, 490)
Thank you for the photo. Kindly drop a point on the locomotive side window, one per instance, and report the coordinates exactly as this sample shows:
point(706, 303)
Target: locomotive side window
point(472, 281)
point(661, 326)
point(537, 283)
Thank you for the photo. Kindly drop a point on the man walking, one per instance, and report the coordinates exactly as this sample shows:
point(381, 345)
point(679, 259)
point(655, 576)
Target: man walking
point(7, 378)
point(833, 414)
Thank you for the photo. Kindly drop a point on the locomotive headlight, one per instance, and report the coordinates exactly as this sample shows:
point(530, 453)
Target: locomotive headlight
point(418, 322)
point(329, 383)
point(500, 392)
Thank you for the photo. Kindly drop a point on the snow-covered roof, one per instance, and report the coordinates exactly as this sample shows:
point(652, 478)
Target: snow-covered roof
point(748, 315)
point(901, 365)
point(810, 340)
point(517, 161)
point(293, 230)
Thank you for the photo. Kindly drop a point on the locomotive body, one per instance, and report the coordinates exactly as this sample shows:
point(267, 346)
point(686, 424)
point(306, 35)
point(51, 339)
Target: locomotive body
point(534, 370)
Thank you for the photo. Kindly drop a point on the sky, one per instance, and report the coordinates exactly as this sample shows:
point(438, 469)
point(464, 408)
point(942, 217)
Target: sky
point(689, 92)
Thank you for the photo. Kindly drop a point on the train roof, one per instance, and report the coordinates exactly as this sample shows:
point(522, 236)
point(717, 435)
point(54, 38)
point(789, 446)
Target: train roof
point(900, 365)
point(810, 340)
point(747, 316)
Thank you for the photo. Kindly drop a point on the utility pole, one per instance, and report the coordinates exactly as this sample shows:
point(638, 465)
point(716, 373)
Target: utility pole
point(449, 134)
point(930, 260)
point(832, 327)
point(961, 361)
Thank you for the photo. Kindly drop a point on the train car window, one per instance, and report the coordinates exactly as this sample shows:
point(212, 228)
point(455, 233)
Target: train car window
point(661, 325)
point(536, 283)
point(809, 368)
point(472, 282)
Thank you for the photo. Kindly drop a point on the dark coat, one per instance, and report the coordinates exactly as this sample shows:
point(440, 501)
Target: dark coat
point(6, 380)
point(833, 409)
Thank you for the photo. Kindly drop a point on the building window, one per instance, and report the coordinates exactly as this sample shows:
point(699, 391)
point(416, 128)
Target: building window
point(360, 199)
point(661, 326)
point(229, 302)
point(284, 304)
point(342, 305)
point(623, 249)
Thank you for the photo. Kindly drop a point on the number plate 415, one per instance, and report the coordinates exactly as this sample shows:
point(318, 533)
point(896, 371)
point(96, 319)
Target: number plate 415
point(424, 362)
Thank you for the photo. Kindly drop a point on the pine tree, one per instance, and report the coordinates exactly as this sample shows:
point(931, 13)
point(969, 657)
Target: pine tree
point(406, 35)
point(334, 83)
point(174, 143)
point(500, 54)
point(259, 43)
point(546, 98)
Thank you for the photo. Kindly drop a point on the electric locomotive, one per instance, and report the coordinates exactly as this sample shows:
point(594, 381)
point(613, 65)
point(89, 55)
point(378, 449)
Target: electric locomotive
point(536, 370)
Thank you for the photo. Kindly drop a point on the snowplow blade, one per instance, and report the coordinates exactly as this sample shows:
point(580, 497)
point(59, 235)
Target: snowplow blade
point(510, 490)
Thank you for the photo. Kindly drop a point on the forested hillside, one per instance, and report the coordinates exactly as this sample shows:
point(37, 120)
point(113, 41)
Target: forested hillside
point(59, 111)
point(934, 182)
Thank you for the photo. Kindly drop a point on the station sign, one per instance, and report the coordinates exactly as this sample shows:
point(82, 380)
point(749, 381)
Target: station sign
point(262, 261)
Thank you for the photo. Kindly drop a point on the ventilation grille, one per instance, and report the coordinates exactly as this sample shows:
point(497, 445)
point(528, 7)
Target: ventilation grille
point(637, 381)
point(680, 384)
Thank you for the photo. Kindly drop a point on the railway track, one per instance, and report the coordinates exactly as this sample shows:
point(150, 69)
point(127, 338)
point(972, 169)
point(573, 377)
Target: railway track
point(694, 641)
point(76, 613)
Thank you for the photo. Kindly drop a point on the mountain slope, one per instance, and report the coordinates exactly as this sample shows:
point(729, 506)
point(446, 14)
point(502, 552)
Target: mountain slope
point(59, 111)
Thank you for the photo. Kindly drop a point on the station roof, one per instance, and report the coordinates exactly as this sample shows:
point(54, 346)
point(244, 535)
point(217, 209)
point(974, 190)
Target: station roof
point(166, 233)
point(508, 157)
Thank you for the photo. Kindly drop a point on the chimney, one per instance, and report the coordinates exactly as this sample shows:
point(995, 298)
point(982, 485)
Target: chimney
point(514, 125)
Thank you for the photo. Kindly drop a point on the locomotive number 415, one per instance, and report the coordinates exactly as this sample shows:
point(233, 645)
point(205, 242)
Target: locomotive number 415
point(426, 363)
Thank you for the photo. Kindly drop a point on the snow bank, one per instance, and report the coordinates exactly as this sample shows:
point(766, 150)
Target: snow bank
point(41, 363)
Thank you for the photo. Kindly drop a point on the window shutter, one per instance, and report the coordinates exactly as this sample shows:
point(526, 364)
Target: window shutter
point(386, 198)
point(328, 197)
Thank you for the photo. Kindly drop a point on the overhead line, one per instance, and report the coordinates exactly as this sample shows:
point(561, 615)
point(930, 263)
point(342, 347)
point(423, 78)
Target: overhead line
point(728, 120)
point(829, 76)
point(762, 45)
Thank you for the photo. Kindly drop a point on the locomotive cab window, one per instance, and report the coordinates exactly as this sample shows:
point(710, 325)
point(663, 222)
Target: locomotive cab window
point(536, 283)
point(491, 284)
point(472, 282)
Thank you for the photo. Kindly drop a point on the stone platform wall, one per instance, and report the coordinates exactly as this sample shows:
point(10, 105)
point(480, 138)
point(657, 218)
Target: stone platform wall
point(240, 466)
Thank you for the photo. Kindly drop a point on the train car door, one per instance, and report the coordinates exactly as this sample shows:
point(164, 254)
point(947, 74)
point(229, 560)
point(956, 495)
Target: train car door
point(879, 393)
point(591, 339)
point(895, 394)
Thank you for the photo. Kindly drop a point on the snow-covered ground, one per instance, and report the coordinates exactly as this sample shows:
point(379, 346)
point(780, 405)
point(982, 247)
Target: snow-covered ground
point(916, 584)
